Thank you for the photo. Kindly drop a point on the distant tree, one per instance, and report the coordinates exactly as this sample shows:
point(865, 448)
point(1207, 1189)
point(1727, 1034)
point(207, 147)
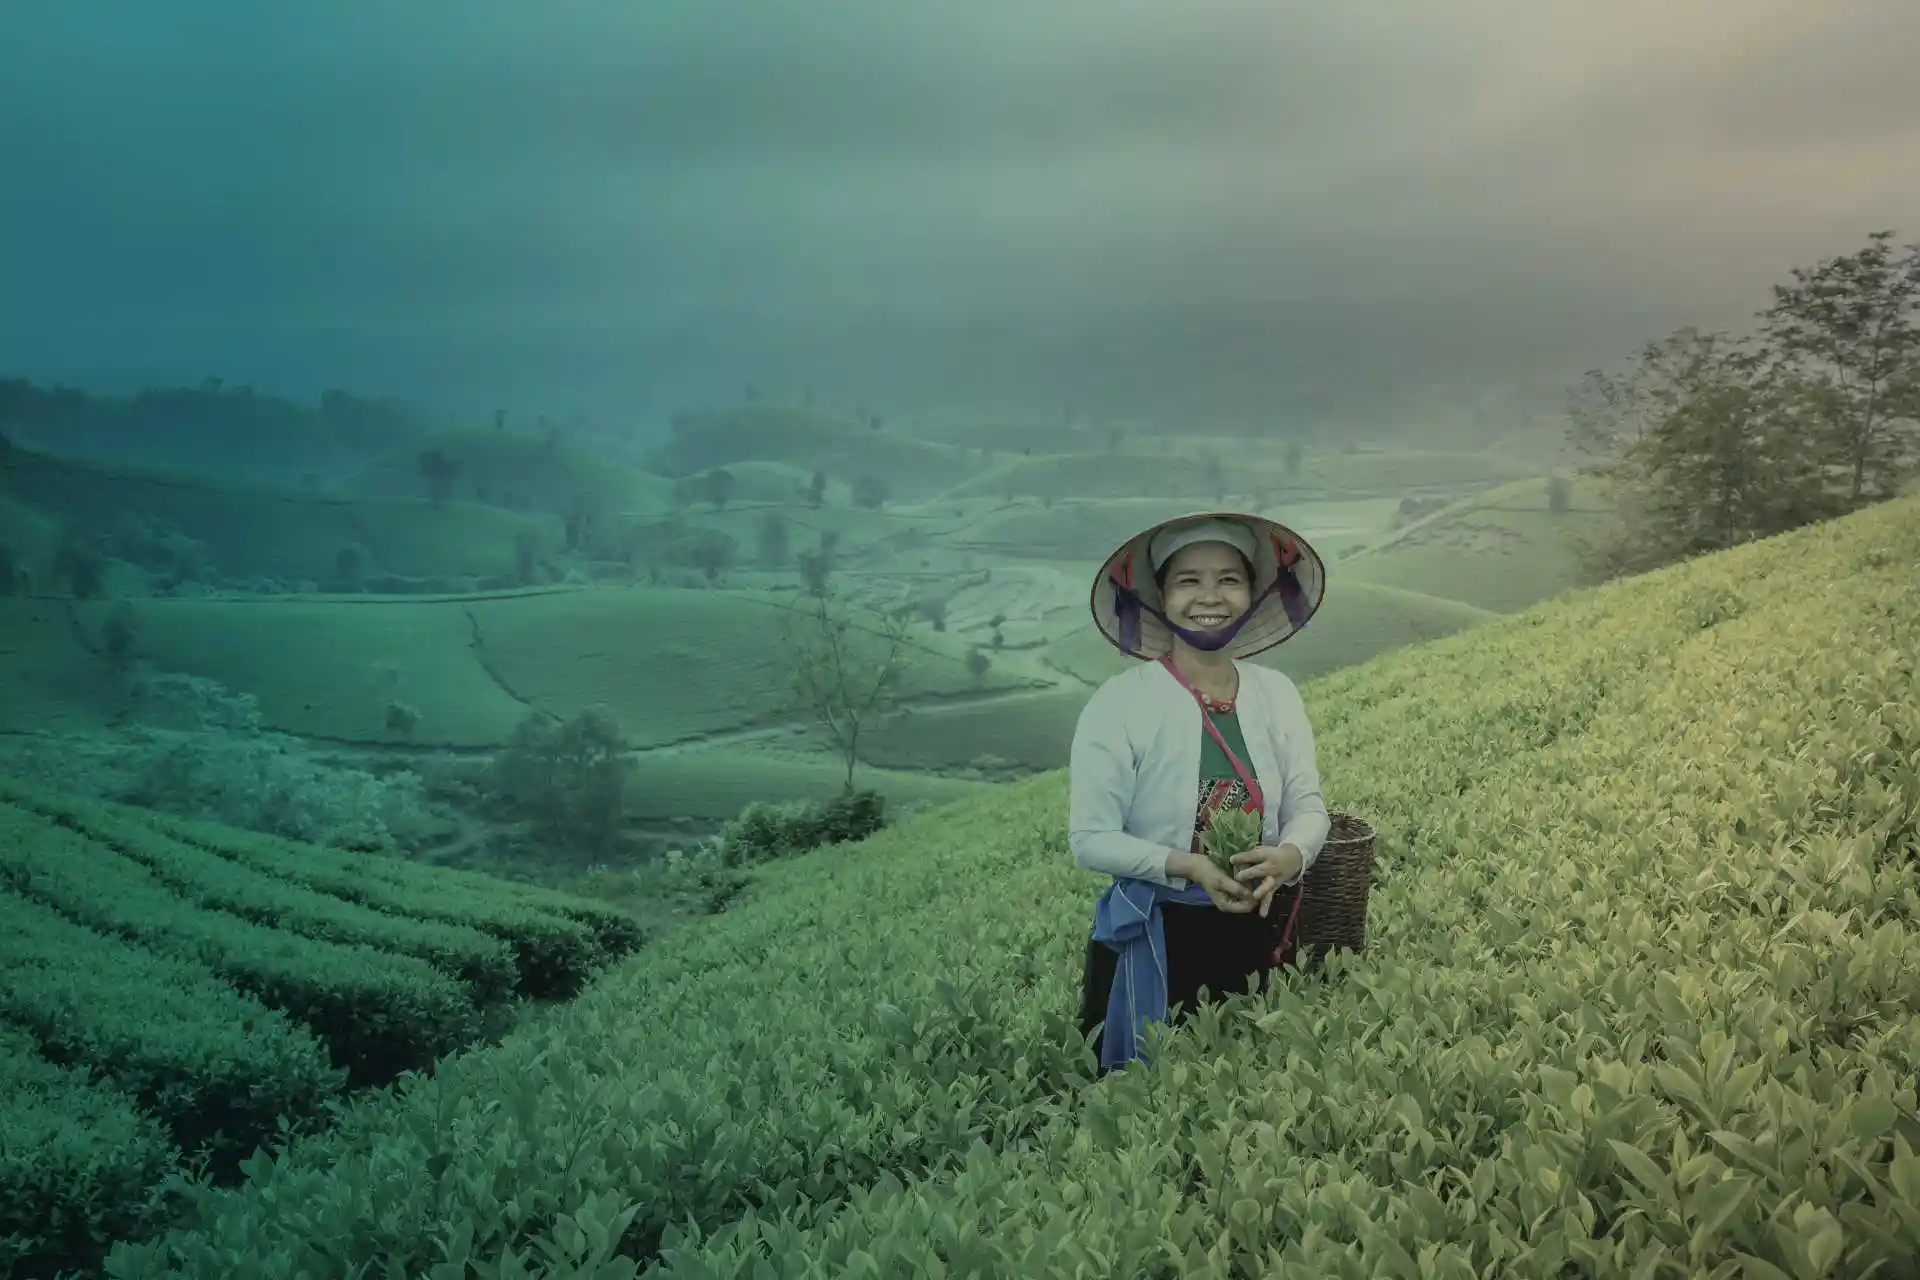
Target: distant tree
point(846, 676)
point(934, 610)
point(1295, 454)
point(978, 664)
point(583, 517)
point(439, 471)
point(499, 419)
point(717, 487)
point(713, 553)
point(1847, 329)
point(774, 540)
point(870, 492)
point(1114, 436)
point(118, 637)
point(1559, 493)
point(79, 562)
point(525, 548)
point(817, 488)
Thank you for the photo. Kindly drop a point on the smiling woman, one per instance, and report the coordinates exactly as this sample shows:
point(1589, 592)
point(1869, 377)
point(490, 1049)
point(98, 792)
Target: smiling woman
point(1162, 750)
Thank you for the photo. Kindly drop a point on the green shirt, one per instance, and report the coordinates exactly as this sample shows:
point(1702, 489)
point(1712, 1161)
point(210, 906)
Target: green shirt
point(1220, 786)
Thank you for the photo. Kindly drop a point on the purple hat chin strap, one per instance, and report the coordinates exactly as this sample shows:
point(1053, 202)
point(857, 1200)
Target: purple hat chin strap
point(1129, 606)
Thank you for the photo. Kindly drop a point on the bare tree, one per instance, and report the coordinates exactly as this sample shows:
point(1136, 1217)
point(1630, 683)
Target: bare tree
point(847, 675)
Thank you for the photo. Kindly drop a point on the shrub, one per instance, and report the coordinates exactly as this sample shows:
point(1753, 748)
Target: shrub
point(402, 718)
point(198, 750)
point(1559, 492)
point(568, 779)
point(117, 636)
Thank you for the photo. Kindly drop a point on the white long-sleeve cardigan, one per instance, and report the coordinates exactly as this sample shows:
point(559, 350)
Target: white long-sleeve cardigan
point(1135, 771)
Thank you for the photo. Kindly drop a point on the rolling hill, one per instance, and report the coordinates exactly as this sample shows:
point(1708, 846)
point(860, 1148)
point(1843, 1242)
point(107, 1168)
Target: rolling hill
point(670, 665)
point(912, 468)
point(187, 526)
point(1503, 549)
point(518, 471)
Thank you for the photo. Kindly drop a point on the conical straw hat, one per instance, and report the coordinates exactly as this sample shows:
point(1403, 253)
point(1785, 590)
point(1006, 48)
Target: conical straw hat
point(1289, 582)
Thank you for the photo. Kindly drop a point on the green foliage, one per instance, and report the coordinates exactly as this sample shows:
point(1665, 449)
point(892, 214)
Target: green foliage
point(1230, 831)
point(252, 892)
point(1559, 493)
point(763, 832)
point(218, 1067)
point(568, 778)
point(80, 1166)
point(1709, 440)
point(378, 1013)
point(198, 750)
point(557, 939)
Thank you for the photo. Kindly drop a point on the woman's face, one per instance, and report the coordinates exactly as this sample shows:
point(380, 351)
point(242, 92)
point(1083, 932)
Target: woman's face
point(1206, 586)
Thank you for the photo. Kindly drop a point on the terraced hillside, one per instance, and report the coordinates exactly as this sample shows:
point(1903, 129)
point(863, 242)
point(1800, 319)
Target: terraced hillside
point(1639, 998)
point(169, 988)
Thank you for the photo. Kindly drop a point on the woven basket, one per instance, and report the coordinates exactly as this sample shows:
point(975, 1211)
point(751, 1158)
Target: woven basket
point(1333, 914)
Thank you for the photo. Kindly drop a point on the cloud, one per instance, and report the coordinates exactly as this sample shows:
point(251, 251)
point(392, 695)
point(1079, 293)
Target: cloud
point(1205, 203)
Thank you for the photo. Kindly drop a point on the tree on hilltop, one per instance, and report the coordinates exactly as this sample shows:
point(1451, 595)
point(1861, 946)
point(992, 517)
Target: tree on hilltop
point(439, 471)
point(717, 487)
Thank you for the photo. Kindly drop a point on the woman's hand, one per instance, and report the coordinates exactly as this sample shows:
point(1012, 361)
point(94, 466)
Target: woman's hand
point(1270, 866)
point(1227, 893)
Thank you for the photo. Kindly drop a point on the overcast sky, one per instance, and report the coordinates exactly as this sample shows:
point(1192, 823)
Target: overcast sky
point(1176, 208)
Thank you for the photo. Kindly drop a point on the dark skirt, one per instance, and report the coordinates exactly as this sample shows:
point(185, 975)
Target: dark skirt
point(1206, 947)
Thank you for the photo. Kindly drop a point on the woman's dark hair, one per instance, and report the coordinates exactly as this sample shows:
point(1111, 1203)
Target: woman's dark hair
point(1160, 574)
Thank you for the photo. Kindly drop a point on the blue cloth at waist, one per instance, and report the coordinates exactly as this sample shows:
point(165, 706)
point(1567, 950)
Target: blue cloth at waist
point(1128, 921)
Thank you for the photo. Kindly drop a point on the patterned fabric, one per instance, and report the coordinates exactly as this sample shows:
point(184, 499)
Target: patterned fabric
point(1216, 795)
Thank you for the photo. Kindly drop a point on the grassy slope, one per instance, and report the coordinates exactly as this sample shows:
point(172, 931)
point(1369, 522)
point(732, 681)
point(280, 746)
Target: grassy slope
point(1501, 550)
point(272, 533)
point(1249, 466)
point(1580, 881)
point(508, 462)
point(805, 440)
point(669, 664)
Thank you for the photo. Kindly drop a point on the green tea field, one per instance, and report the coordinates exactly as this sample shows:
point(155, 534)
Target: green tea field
point(176, 990)
point(1639, 997)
